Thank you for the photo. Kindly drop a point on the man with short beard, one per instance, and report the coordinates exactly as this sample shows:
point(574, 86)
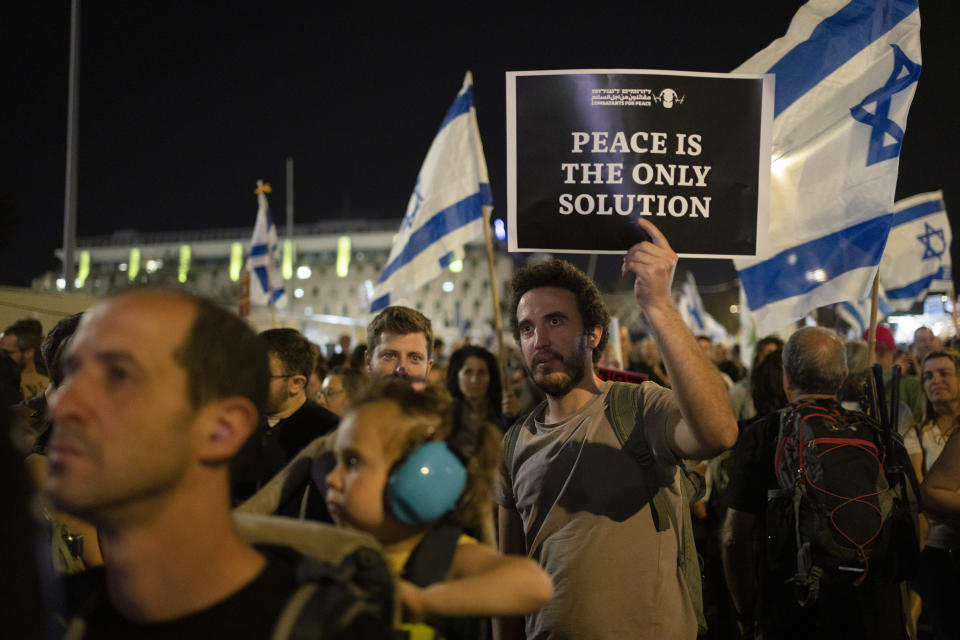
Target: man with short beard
point(569, 496)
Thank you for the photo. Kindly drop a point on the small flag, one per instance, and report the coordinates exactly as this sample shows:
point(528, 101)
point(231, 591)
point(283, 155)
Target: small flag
point(917, 257)
point(446, 208)
point(690, 305)
point(266, 283)
point(845, 76)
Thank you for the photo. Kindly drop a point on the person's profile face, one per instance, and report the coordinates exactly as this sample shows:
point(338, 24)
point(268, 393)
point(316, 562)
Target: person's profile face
point(122, 421)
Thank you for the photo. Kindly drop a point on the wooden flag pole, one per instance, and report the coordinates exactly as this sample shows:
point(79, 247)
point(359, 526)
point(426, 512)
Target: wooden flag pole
point(872, 334)
point(495, 293)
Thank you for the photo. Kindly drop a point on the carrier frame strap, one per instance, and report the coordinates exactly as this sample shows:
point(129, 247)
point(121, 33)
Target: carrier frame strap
point(431, 559)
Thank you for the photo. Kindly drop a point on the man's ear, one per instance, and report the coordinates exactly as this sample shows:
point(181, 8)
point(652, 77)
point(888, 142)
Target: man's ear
point(227, 424)
point(298, 383)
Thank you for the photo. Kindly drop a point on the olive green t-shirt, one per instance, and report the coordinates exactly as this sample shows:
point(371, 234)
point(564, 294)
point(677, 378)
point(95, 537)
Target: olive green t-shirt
point(585, 508)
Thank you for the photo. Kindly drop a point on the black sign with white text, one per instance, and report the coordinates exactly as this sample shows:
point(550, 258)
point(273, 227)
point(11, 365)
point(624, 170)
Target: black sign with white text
point(590, 152)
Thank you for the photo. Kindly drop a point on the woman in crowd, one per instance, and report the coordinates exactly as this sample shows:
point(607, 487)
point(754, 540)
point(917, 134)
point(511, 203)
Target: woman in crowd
point(473, 379)
point(937, 579)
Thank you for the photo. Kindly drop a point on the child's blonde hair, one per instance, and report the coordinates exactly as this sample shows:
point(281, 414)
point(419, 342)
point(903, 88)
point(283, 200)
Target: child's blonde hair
point(429, 415)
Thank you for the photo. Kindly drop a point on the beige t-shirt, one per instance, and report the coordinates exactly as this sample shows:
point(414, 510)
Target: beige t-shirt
point(586, 516)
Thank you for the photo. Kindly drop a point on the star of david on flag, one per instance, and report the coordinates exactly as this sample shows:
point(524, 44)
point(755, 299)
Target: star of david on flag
point(845, 76)
point(263, 263)
point(446, 209)
point(917, 257)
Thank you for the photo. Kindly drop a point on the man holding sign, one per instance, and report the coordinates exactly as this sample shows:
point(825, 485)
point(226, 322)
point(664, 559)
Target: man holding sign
point(570, 495)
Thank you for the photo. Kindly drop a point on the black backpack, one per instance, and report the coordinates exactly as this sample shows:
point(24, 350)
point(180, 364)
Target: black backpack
point(345, 586)
point(846, 505)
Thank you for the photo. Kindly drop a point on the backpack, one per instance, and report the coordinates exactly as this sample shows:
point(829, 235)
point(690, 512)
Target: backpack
point(844, 511)
point(623, 401)
point(345, 587)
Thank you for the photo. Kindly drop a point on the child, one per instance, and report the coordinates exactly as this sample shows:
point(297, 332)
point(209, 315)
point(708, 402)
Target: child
point(386, 423)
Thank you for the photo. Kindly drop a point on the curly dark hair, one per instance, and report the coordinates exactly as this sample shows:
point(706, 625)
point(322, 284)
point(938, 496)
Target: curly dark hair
point(562, 274)
point(494, 388)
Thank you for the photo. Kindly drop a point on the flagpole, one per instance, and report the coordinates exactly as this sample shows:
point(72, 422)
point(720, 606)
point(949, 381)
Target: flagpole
point(73, 117)
point(872, 331)
point(495, 293)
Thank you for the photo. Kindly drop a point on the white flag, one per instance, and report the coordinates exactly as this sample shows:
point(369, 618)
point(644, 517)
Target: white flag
point(266, 281)
point(845, 76)
point(446, 208)
point(917, 258)
point(690, 305)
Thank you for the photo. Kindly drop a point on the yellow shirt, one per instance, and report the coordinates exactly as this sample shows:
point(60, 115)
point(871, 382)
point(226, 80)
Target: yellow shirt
point(418, 630)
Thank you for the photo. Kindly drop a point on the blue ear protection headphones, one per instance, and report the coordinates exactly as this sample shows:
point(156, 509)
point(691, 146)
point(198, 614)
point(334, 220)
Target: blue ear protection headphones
point(426, 484)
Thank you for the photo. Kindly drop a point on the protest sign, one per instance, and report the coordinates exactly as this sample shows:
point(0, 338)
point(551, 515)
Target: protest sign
point(589, 152)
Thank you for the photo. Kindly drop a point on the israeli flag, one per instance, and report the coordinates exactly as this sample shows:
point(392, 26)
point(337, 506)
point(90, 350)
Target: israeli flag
point(857, 314)
point(845, 76)
point(446, 208)
point(263, 263)
point(917, 258)
point(690, 305)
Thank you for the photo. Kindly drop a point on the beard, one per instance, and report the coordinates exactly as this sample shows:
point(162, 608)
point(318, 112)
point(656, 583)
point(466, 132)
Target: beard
point(560, 383)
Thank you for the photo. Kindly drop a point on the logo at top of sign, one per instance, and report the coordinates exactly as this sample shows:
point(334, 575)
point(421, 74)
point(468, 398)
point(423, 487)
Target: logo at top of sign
point(668, 98)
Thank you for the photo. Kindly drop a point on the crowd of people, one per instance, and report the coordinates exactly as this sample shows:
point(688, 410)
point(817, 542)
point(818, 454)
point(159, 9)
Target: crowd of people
point(523, 498)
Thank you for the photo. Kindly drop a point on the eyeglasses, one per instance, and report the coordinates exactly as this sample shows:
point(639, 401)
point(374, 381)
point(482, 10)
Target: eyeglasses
point(327, 393)
point(289, 375)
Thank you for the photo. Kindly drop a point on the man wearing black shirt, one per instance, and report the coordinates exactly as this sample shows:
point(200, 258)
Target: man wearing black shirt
point(291, 421)
point(160, 391)
point(814, 367)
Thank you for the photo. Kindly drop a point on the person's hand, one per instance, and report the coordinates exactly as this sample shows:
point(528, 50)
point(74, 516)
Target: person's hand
point(652, 263)
point(411, 597)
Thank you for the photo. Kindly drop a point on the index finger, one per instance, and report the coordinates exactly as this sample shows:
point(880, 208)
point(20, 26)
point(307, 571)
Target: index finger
point(656, 237)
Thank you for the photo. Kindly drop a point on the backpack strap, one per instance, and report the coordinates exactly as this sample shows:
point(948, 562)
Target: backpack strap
point(627, 420)
point(431, 559)
point(510, 439)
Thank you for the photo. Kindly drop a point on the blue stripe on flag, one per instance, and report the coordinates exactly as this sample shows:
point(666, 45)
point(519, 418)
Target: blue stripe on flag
point(380, 303)
point(258, 250)
point(916, 287)
point(917, 211)
point(786, 274)
point(911, 290)
point(854, 313)
point(442, 223)
point(843, 35)
point(460, 106)
point(262, 277)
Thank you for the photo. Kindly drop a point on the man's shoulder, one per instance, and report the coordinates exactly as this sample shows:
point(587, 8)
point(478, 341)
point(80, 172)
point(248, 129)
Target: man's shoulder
point(313, 415)
point(250, 612)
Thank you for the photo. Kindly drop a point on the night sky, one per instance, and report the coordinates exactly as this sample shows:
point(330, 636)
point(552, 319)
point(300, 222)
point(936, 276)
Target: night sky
point(184, 105)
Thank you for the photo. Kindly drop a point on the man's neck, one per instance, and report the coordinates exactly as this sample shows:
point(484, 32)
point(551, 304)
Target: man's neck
point(810, 397)
point(181, 559)
point(560, 408)
point(290, 407)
